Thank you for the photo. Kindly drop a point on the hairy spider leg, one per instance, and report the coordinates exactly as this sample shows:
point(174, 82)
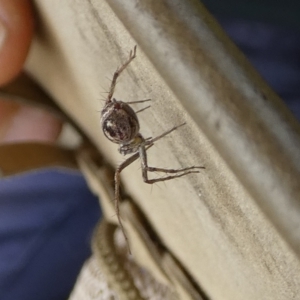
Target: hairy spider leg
point(118, 72)
point(146, 168)
point(138, 101)
point(163, 134)
point(117, 178)
point(142, 109)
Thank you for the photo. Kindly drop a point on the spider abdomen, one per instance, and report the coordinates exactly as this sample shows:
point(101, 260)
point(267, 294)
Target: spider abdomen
point(119, 122)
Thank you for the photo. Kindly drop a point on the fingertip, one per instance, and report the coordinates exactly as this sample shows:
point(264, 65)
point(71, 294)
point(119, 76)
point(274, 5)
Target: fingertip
point(18, 122)
point(26, 123)
point(16, 31)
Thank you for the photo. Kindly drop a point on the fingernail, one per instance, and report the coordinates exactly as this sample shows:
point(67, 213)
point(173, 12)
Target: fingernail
point(3, 33)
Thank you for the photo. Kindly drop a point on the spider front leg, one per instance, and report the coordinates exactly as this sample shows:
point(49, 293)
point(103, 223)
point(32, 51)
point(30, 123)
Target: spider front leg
point(118, 72)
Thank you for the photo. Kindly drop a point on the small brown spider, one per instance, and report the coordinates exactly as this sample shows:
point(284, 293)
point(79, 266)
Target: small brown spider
point(121, 126)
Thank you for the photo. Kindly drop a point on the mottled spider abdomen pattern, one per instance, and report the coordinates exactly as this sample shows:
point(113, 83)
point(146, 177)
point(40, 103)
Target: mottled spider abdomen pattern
point(119, 122)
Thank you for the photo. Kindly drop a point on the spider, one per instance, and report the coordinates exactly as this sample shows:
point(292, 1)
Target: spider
point(120, 125)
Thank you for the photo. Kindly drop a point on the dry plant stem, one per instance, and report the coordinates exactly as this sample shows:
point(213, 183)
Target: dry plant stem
point(120, 125)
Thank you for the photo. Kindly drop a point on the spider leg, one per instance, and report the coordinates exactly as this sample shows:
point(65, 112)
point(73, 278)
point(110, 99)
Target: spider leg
point(138, 101)
point(142, 109)
point(117, 199)
point(117, 73)
point(151, 181)
point(179, 172)
point(164, 134)
point(154, 169)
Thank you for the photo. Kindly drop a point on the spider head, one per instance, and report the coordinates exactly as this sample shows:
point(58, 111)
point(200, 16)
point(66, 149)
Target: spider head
point(132, 146)
point(119, 122)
